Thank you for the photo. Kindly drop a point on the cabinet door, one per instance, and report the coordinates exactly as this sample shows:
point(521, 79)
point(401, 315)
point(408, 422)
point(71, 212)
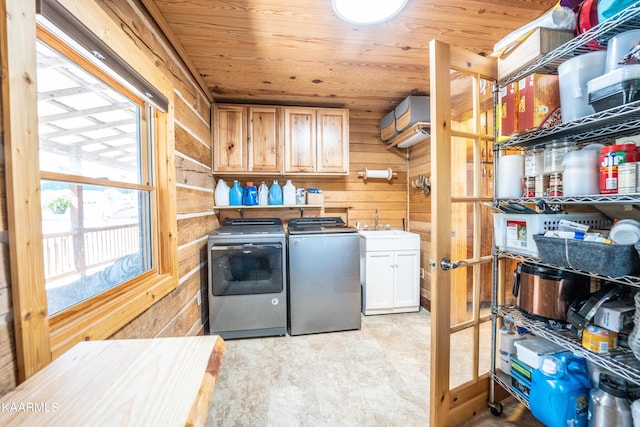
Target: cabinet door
point(264, 149)
point(407, 289)
point(229, 139)
point(299, 139)
point(379, 285)
point(333, 140)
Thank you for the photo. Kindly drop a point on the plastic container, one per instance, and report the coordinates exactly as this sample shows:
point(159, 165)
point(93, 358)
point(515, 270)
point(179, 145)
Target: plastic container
point(628, 174)
point(598, 258)
point(289, 193)
point(608, 404)
point(610, 158)
point(510, 174)
point(263, 194)
point(532, 351)
point(301, 196)
point(573, 76)
point(554, 156)
point(235, 194)
point(275, 193)
point(619, 45)
point(250, 195)
point(516, 232)
point(221, 193)
point(615, 88)
point(580, 173)
point(534, 162)
point(559, 395)
point(599, 340)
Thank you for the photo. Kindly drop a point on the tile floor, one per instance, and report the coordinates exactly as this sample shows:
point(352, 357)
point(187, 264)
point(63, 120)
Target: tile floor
point(377, 376)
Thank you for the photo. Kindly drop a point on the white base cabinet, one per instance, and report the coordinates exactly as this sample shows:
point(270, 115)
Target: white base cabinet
point(390, 271)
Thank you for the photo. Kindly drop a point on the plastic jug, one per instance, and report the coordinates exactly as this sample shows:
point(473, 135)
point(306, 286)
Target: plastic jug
point(250, 196)
point(263, 194)
point(289, 193)
point(221, 193)
point(275, 193)
point(235, 194)
point(559, 395)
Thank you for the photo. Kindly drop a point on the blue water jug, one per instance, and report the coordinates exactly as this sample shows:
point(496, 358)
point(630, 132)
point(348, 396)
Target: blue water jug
point(235, 194)
point(250, 195)
point(559, 394)
point(275, 193)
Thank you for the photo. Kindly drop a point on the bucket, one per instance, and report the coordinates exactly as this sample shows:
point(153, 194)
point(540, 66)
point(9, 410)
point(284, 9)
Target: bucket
point(573, 75)
point(560, 391)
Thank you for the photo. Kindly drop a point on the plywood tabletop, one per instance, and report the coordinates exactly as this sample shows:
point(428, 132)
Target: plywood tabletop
point(141, 382)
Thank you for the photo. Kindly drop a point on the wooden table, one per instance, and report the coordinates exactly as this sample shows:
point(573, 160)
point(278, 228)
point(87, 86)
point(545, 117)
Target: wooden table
point(141, 382)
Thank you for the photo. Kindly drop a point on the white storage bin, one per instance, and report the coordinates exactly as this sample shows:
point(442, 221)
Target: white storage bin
point(514, 232)
point(532, 350)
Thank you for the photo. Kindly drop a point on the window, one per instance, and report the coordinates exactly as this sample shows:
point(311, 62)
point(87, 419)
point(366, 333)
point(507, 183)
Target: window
point(96, 192)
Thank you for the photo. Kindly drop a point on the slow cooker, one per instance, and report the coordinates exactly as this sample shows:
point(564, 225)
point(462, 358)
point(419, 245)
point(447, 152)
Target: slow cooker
point(547, 293)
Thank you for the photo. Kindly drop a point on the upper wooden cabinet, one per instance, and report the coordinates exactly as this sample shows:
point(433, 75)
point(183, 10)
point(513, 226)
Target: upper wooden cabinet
point(246, 138)
point(249, 139)
point(316, 140)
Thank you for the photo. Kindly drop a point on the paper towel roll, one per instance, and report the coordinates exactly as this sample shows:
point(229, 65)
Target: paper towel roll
point(376, 173)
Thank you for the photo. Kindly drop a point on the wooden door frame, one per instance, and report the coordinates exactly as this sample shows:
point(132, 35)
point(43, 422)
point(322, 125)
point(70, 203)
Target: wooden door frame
point(446, 407)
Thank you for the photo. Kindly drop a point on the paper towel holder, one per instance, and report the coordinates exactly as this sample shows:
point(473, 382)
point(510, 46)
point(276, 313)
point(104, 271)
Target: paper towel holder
point(387, 174)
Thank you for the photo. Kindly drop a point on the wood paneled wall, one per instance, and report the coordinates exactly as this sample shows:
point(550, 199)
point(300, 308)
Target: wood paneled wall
point(420, 213)
point(8, 371)
point(350, 197)
point(183, 311)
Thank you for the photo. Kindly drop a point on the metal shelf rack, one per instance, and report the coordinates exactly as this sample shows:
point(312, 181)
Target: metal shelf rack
point(600, 127)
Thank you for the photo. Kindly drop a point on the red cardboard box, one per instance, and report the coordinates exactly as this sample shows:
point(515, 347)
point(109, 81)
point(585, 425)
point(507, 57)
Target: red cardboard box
point(509, 109)
point(539, 102)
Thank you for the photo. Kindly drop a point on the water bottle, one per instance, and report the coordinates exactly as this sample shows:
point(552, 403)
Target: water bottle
point(275, 193)
point(559, 394)
point(608, 404)
point(250, 197)
point(263, 194)
point(222, 193)
point(289, 193)
point(235, 194)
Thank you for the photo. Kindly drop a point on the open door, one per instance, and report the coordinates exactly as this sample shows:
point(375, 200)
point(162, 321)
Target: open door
point(462, 135)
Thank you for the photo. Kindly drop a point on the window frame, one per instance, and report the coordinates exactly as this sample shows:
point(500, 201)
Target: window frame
point(38, 338)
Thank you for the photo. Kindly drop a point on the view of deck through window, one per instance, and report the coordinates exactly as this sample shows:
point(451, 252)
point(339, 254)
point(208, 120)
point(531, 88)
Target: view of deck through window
point(95, 191)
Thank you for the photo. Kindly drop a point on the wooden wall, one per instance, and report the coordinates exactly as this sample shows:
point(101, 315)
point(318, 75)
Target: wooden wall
point(420, 213)
point(183, 311)
point(350, 197)
point(8, 371)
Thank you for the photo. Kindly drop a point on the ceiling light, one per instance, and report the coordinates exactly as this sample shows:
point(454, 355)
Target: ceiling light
point(364, 12)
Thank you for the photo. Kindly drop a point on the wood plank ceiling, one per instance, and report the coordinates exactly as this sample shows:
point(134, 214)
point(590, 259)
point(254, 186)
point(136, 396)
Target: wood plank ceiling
point(299, 52)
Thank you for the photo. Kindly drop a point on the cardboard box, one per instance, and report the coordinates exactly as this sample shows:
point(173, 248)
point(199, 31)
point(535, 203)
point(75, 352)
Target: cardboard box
point(615, 315)
point(315, 198)
point(538, 44)
point(509, 109)
point(539, 102)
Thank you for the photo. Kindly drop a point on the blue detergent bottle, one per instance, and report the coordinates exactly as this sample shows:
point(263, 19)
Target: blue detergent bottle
point(235, 194)
point(275, 193)
point(559, 395)
point(250, 195)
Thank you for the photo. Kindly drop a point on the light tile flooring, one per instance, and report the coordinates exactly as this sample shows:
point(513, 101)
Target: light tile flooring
point(376, 376)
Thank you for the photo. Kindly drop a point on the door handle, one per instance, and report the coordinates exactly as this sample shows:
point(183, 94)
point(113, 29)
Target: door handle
point(447, 264)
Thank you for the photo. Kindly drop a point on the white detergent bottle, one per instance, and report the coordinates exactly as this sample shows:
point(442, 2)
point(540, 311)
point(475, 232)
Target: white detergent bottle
point(263, 194)
point(289, 193)
point(222, 193)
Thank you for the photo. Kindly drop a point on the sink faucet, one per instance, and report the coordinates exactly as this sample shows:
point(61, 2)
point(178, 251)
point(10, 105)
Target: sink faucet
point(376, 219)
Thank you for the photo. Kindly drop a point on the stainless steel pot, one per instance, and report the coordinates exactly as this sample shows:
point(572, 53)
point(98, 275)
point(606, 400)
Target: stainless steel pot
point(547, 292)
